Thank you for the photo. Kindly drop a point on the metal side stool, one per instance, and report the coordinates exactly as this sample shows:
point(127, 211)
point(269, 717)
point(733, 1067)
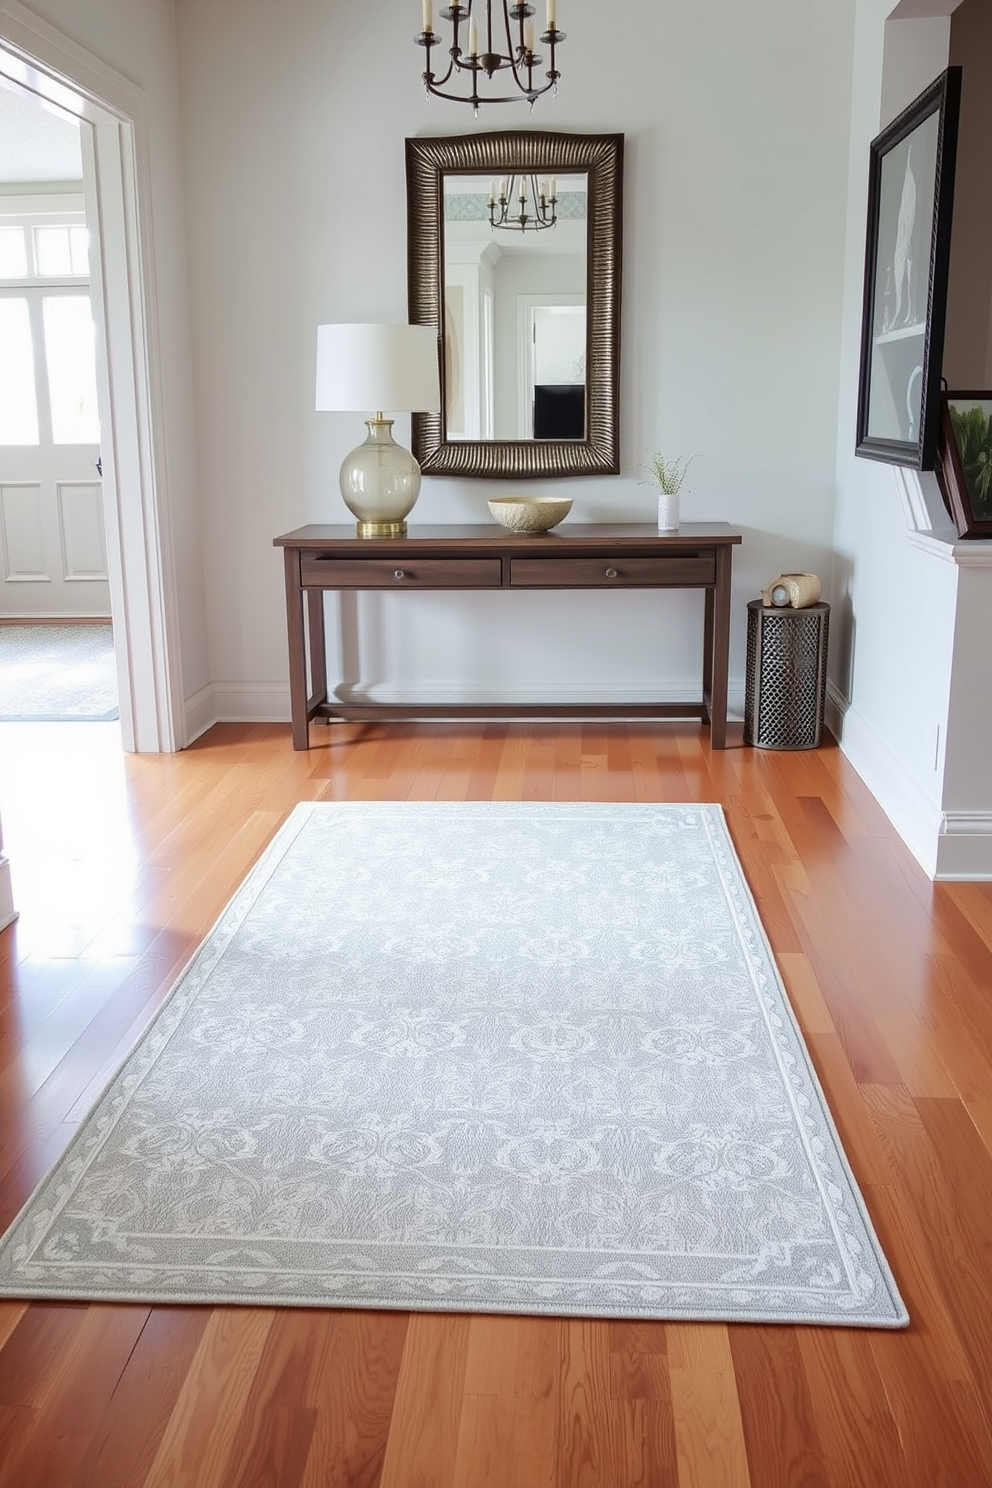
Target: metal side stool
point(786, 684)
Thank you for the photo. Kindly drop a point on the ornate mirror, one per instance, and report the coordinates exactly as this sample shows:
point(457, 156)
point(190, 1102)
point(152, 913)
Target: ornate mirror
point(514, 255)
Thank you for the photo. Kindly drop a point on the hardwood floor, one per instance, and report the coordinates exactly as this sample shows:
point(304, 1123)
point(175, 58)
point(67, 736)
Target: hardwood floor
point(120, 866)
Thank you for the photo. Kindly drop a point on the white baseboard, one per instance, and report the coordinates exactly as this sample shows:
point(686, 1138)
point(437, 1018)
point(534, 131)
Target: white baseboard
point(236, 702)
point(200, 714)
point(964, 849)
point(530, 695)
point(268, 702)
point(946, 844)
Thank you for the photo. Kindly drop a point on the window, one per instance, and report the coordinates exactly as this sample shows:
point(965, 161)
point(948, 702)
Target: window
point(18, 404)
point(47, 363)
point(71, 367)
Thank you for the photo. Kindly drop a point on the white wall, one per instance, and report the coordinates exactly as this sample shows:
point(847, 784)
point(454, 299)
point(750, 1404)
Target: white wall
point(737, 124)
point(909, 676)
point(139, 42)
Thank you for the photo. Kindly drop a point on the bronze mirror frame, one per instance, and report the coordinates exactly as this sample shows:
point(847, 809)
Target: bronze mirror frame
point(498, 154)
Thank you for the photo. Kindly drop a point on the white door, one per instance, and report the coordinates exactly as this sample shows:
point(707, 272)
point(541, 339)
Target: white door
point(53, 559)
point(551, 348)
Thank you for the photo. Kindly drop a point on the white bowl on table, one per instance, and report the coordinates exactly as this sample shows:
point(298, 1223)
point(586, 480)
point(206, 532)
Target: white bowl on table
point(530, 513)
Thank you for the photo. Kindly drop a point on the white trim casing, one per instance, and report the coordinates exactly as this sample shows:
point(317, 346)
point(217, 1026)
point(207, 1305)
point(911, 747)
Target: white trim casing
point(36, 58)
point(7, 911)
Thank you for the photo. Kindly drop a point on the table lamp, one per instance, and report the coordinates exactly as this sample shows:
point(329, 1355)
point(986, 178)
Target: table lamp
point(392, 367)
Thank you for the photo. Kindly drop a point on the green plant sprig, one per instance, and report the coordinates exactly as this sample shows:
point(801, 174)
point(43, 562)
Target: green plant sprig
point(666, 474)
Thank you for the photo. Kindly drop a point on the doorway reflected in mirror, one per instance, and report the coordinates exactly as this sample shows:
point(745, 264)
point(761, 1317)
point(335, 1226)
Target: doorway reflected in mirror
point(514, 310)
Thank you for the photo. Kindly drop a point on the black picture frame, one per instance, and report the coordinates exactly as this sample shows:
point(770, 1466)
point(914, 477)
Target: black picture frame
point(964, 461)
point(910, 204)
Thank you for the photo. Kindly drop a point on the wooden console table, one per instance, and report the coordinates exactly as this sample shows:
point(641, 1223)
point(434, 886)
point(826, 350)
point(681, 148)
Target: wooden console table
point(623, 555)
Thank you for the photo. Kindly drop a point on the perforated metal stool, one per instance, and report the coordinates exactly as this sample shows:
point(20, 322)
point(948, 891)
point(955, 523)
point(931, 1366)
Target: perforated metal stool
point(786, 684)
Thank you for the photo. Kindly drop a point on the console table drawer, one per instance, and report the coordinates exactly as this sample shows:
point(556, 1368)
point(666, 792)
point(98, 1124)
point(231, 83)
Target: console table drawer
point(680, 570)
point(400, 573)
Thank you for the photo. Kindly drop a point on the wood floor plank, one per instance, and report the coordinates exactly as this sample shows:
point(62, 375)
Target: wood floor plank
point(891, 980)
point(37, 1353)
point(930, 1141)
point(485, 1447)
point(709, 1432)
point(351, 1391)
point(127, 1434)
point(944, 1436)
point(52, 1450)
point(855, 1428)
point(636, 1337)
point(277, 1424)
point(588, 1437)
point(858, 1136)
point(424, 1437)
point(780, 1429)
point(901, 1234)
point(804, 993)
point(201, 1436)
point(11, 1314)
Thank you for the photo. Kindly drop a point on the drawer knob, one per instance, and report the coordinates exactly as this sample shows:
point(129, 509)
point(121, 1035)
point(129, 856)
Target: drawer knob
point(611, 573)
point(399, 573)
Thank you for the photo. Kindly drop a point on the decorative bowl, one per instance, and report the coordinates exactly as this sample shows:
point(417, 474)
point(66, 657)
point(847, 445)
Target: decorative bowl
point(530, 513)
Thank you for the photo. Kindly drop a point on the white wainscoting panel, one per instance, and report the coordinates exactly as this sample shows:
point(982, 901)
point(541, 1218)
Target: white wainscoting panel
point(81, 530)
point(23, 534)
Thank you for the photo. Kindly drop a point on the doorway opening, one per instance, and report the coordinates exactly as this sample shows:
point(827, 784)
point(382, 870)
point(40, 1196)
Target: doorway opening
point(57, 660)
point(58, 77)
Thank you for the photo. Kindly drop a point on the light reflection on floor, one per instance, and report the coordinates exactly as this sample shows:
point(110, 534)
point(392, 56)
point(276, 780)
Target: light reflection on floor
point(66, 832)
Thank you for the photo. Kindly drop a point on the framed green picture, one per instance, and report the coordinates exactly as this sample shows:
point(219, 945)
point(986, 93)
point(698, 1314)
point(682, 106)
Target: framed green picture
point(964, 461)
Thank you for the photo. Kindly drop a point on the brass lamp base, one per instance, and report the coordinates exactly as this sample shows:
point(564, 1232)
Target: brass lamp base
point(381, 529)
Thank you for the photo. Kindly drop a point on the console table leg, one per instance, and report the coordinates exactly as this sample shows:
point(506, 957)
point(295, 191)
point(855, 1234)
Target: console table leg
point(297, 650)
point(708, 654)
point(318, 647)
point(721, 651)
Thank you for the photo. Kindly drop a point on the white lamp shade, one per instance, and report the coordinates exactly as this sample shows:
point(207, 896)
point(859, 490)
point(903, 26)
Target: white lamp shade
point(389, 368)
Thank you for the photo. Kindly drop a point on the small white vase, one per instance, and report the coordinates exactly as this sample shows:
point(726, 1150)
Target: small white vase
point(668, 512)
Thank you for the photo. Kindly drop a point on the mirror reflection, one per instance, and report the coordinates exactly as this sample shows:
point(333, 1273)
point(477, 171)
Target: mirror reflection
point(515, 285)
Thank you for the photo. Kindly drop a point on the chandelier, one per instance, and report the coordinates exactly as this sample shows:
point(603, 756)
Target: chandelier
point(505, 195)
point(484, 44)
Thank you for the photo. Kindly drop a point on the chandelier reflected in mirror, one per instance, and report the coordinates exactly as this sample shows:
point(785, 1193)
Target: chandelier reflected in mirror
point(492, 45)
point(523, 203)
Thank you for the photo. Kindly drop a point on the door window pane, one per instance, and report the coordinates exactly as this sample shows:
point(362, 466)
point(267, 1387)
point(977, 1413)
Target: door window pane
point(79, 249)
point(51, 246)
point(71, 369)
point(62, 251)
point(13, 253)
point(18, 404)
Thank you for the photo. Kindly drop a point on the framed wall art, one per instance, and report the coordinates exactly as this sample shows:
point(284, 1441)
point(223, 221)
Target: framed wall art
point(964, 461)
point(910, 202)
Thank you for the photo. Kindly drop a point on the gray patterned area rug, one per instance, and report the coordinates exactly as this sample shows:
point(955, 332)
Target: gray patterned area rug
point(57, 674)
point(477, 1057)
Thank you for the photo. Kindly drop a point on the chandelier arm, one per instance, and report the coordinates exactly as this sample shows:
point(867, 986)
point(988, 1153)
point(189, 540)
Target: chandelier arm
point(519, 59)
point(503, 98)
point(430, 80)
